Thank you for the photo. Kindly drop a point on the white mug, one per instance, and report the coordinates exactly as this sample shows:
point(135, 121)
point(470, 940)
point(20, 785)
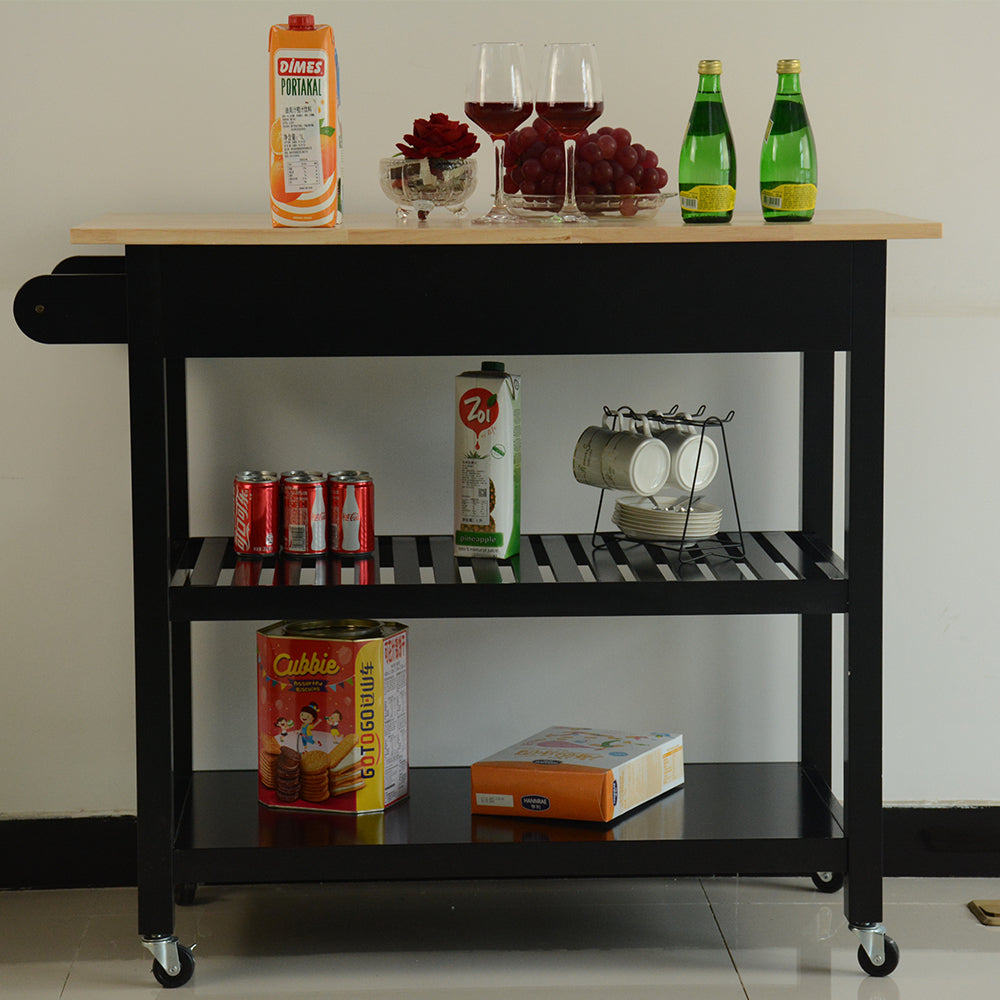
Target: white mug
point(587, 454)
point(622, 460)
point(694, 457)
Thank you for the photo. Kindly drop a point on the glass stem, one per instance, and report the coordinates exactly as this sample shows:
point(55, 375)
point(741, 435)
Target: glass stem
point(498, 151)
point(569, 155)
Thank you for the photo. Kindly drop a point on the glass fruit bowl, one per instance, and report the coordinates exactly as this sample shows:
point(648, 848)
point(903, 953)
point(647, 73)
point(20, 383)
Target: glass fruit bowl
point(623, 205)
point(418, 186)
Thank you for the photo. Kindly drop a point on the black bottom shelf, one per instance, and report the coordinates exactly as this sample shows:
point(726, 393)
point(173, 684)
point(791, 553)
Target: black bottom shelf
point(728, 819)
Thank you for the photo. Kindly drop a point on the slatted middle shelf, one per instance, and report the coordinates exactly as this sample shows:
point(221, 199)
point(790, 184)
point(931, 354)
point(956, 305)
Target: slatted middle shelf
point(765, 572)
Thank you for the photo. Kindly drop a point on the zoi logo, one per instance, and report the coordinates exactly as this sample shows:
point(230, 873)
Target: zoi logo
point(478, 409)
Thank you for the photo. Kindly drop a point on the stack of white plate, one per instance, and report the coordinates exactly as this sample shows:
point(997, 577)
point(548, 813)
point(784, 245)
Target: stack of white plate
point(638, 518)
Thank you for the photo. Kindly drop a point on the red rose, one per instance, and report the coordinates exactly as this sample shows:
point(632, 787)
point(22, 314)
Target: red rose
point(438, 138)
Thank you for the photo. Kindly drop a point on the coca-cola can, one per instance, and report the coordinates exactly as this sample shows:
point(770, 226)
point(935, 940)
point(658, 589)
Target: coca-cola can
point(304, 513)
point(255, 513)
point(247, 572)
point(287, 572)
point(364, 570)
point(352, 512)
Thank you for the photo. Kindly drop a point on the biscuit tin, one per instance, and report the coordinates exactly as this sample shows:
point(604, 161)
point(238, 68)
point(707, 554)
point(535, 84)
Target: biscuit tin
point(586, 774)
point(332, 715)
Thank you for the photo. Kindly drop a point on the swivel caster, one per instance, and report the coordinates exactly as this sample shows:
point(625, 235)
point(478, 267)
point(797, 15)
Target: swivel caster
point(878, 954)
point(828, 881)
point(173, 963)
point(185, 893)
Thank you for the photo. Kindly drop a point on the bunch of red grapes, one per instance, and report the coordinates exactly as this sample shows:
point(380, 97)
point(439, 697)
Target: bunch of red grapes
point(607, 163)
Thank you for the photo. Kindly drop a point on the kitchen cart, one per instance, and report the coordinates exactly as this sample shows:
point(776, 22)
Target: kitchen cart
point(217, 286)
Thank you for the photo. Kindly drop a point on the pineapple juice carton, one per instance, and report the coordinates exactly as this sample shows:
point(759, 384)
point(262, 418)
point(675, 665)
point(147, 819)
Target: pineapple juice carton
point(304, 127)
point(488, 462)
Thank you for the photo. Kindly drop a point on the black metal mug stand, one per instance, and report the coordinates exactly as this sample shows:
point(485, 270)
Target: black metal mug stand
point(726, 547)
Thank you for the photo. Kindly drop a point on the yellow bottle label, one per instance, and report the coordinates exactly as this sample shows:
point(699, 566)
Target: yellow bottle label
point(709, 198)
point(789, 198)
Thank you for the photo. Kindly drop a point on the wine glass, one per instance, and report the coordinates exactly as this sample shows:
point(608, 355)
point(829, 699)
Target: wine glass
point(570, 97)
point(496, 99)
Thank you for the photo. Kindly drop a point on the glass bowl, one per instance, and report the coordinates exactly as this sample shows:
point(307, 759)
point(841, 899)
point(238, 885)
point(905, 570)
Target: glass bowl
point(599, 205)
point(418, 186)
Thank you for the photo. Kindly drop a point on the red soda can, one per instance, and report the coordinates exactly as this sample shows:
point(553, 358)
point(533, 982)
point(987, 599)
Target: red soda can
point(365, 570)
point(287, 572)
point(255, 513)
point(304, 509)
point(247, 572)
point(352, 512)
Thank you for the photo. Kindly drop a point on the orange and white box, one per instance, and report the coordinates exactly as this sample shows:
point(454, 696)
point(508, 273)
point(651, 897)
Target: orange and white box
point(304, 126)
point(585, 774)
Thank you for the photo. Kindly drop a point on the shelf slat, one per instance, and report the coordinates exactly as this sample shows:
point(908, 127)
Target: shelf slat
point(418, 576)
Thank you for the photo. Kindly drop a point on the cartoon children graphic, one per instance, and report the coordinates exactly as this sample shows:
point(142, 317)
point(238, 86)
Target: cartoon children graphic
point(309, 716)
point(284, 725)
point(333, 721)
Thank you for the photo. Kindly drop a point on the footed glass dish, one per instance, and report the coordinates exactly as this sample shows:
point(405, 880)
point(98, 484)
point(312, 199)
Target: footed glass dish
point(419, 186)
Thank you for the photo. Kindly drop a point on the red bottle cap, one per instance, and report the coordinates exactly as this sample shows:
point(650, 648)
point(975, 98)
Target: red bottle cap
point(301, 22)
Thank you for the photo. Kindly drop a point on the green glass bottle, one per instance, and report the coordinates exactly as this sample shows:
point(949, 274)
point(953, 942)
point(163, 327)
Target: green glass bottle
point(788, 157)
point(706, 174)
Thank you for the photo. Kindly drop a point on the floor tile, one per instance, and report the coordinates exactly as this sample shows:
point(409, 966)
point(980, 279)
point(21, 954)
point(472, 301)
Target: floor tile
point(934, 891)
point(473, 939)
point(710, 939)
point(40, 935)
point(804, 948)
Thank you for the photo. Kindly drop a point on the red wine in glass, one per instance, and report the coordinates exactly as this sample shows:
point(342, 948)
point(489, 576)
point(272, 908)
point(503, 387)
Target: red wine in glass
point(497, 118)
point(496, 100)
point(569, 118)
point(569, 99)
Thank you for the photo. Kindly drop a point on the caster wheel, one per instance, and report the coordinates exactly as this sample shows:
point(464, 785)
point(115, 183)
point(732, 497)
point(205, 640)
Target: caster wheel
point(828, 881)
point(186, 971)
point(185, 892)
point(887, 967)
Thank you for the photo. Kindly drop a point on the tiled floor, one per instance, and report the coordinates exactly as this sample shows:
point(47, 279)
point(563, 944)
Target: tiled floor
point(710, 939)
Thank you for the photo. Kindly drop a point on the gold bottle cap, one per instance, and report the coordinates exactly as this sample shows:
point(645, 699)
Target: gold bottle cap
point(710, 67)
point(789, 66)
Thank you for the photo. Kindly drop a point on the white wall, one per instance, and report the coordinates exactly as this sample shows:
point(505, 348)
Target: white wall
point(161, 106)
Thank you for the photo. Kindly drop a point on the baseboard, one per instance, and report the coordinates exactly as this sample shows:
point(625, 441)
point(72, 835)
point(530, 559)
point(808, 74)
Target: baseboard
point(70, 853)
point(100, 850)
point(950, 841)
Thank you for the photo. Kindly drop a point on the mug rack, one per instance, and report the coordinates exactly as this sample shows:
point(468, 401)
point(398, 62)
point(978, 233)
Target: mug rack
point(687, 552)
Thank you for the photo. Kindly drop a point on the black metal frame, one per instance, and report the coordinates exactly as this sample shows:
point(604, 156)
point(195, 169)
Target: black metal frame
point(812, 298)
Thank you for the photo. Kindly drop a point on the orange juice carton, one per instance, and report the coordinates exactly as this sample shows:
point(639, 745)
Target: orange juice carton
point(488, 462)
point(332, 715)
point(304, 125)
point(582, 774)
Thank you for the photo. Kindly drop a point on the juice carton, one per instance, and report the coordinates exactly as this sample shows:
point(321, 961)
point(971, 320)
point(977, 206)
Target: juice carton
point(488, 462)
point(304, 127)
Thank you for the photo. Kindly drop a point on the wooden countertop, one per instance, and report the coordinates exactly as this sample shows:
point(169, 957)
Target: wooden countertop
point(442, 228)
